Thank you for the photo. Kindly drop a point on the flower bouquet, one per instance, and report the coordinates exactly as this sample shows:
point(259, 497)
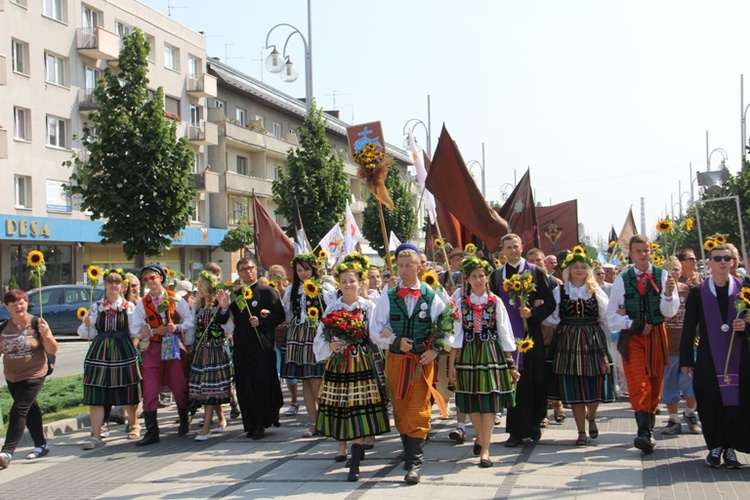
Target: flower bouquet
point(741, 305)
point(519, 287)
point(345, 327)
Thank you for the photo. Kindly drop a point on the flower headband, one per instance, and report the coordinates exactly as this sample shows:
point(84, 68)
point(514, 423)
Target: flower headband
point(307, 258)
point(353, 257)
point(118, 270)
point(470, 263)
point(576, 257)
point(352, 265)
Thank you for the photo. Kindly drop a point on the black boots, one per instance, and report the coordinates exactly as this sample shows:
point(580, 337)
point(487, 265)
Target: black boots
point(645, 440)
point(414, 456)
point(407, 463)
point(184, 414)
point(152, 429)
point(358, 454)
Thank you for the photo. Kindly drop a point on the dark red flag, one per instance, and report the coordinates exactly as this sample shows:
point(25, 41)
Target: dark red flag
point(452, 184)
point(272, 246)
point(450, 229)
point(520, 214)
point(558, 226)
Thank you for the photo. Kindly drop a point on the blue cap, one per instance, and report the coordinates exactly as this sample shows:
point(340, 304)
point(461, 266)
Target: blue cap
point(156, 269)
point(406, 246)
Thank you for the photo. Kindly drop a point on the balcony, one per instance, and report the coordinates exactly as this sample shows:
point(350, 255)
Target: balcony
point(248, 136)
point(206, 182)
point(207, 134)
point(98, 43)
point(246, 184)
point(3, 143)
point(201, 86)
point(86, 101)
point(3, 70)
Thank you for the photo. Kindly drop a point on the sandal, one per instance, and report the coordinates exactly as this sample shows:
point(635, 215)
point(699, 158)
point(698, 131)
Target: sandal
point(292, 411)
point(311, 432)
point(93, 443)
point(582, 439)
point(38, 452)
point(559, 413)
point(544, 423)
point(134, 432)
point(593, 429)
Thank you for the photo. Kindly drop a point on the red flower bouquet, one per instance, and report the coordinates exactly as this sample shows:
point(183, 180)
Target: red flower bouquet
point(345, 327)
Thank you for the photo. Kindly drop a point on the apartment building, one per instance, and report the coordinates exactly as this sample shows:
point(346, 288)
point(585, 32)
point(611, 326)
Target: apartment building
point(51, 54)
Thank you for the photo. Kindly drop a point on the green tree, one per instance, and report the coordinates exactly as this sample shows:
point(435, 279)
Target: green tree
point(315, 178)
point(238, 238)
point(401, 220)
point(136, 174)
point(12, 283)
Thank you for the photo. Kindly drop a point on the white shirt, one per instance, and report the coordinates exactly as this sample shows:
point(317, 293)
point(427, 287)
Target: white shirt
point(502, 323)
point(90, 332)
point(138, 319)
point(382, 315)
point(327, 294)
point(576, 293)
point(320, 346)
point(668, 306)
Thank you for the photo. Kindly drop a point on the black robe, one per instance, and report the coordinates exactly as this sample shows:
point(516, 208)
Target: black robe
point(724, 426)
point(256, 380)
point(531, 392)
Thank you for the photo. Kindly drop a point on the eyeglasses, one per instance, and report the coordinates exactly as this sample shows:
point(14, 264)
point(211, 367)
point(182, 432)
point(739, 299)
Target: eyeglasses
point(245, 269)
point(690, 258)
point(719, 258)
point(150, 278)
point(386, 276)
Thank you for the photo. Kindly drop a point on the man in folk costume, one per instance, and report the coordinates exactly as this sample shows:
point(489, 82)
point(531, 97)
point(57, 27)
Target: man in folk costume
point(407, 322)
point(525, 418)
point(721, 372)
point(160, 314)
point(258, 388)
point(642, 297)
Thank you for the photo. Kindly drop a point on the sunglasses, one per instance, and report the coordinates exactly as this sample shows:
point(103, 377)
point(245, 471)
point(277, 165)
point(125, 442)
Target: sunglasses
point(153, 277)
point(719, 258)
point(691, 258)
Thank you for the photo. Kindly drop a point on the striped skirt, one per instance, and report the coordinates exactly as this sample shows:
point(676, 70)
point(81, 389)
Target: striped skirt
point(211, 373)
point(351, 403)
point(299, 360)
point(581, 366)
point(112, 371)
point(483, 381)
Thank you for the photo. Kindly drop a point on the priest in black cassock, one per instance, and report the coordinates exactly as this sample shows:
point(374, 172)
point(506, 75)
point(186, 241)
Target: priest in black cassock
point(722, 389)
point(531, 392)
point(257, 382)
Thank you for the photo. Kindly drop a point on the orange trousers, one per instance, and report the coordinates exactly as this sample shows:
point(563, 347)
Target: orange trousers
point(412, 416)
point(644, 388)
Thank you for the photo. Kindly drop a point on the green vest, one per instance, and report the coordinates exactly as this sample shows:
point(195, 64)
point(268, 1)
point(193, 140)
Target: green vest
point(643, 308)
point(417, 327)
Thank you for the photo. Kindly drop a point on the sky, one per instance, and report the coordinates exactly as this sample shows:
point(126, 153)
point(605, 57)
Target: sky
point(606, 102)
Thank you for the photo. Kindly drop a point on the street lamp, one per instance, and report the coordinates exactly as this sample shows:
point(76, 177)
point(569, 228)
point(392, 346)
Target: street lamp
point(724, 158)
point(408, 129)
point(481, 167)
point(739, 217)
point(281, 64)
point(506, 189)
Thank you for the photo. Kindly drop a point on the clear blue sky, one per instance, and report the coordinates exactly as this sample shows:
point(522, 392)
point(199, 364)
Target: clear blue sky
point(605, 101)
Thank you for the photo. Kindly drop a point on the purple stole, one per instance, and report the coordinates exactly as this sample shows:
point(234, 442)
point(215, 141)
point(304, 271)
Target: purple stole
point(719, 341)
point(516, 321)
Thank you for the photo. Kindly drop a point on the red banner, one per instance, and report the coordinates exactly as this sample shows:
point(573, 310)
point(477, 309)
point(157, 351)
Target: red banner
point(558, 226)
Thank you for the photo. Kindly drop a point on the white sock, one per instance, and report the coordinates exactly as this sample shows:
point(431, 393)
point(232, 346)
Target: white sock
point(462, 426)
point(674, 417)
point(689, 411)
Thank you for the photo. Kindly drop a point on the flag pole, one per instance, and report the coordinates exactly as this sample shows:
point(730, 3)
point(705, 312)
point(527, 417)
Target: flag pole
point(445, 254)
point(385, 237)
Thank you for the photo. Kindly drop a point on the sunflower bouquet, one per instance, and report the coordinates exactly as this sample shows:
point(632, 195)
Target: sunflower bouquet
point(347, 327)
point(430, 278)
point(312, 290)
point(714, 240)
point(519, 287)
point(741, 305)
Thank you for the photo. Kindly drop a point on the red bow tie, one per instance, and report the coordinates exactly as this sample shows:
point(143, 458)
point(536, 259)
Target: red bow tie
point(642, 278)
point(403, 292)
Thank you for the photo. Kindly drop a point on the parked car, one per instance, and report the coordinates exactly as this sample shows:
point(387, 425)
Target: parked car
point(60, 304)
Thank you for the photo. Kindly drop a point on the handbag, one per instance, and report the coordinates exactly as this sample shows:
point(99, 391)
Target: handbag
point(170, 348)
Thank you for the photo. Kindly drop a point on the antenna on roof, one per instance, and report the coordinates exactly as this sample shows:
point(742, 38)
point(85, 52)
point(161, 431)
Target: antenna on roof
point(170, 7)
point(334, 94)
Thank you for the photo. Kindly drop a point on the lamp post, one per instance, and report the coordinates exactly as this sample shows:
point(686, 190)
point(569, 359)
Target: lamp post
point(739, 218)
point(281, 64)
point(408, 128)
point(481, 168)
point(505, 190)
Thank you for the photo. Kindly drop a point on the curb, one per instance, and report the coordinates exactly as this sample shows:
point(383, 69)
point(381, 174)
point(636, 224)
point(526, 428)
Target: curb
point(58, 428)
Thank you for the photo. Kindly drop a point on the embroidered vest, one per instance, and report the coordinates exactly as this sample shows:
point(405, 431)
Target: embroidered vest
point(153, 318)
point(487, 328)
point(418, 326)
point(643, 307)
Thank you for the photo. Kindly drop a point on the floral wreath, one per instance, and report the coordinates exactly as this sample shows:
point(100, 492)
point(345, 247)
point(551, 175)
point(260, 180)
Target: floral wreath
point(472, 262)
point(576, 257)
point(118, 270)
point(209, 278)
point(308, 258)
point(353, 257)
point(352, 265)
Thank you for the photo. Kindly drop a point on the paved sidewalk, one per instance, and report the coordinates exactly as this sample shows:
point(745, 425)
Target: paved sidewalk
point(284, 465)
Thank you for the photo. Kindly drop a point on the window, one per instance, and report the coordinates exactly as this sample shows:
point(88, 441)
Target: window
point(22, 3)
point(194, 67)
point(23, 191)
point(122, 29)
point(241, 116)
point(151, 48)
point(58, 260)
point(20, 52)
point(90, 18)
point(239, 209)
point(277, 130)
point(55, 69)
point(56, 9)
point(197, 215)
point(91, 76)
point(172, 107)
point(260, 121)
point(171, 57)
point(22, 124)
point(57, 132)
point(195, 115)
point(196, 163)
point(242, 165)
point(217, 103)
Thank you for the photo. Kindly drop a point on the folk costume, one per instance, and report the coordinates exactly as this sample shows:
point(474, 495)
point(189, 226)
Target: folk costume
point(723, 403)
point(581, 369)
point(111, 370)
point(352, 402)
point(485, 342)
point(642, 295)
point(256, 380)
point(299, 357)
point(211, 369)
point(531, 391)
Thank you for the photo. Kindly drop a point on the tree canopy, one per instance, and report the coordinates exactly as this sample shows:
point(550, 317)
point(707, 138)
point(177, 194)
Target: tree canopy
point(401, 220)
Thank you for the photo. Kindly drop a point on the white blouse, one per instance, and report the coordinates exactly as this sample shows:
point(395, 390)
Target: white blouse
point(502, 323)
point(320, 346)
point(91, 332)
point(576, 293)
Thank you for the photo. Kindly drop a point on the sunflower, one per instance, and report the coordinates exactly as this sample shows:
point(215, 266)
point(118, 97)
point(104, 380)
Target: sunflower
point(430, 279)
point(745, 295)
point(664, 226)
point(310, 288)
point(94, 273)
point(470, 248)
point(517, 286)
point(720, 239)
point(393, 258)
point(322, 254)
point(272, 284)
point(439, 243)
point(506, 285)
point(172, 273)
point(654, 247)
point(35, 258)
point(689, 224)
point(313, 312)
point(709, 244)
point(247, 293)
point(579, 249)
point(525, 345)
point(81, 312)
point(612, 244)
point(228, 284)
point(498, 262)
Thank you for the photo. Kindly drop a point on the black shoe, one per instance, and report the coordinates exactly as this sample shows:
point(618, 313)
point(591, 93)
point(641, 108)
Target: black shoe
point(276, 422)
point(477, 448)
point(714, 458)
point(258, 432)
point(414, 449)
point(485, 463)
point(235, 412)
point(513, 441)
point(536, 433)
point(358, 454)
point(152, 429)
point(458, 435)
point(645, 440)
point(730, 459)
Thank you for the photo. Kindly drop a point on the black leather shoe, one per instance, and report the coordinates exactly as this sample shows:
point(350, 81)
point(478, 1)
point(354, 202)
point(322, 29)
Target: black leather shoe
point(258, 432)
point(536, 433)
point(513, 441)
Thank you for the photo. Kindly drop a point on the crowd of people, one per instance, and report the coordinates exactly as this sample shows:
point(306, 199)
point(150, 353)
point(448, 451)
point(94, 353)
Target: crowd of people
point(517, 335)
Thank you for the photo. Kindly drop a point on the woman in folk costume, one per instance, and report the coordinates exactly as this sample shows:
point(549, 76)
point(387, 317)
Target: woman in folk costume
point(481, 365)
point(352, 404)
point(210, 381)
point(111, 370)
point(303, 304)
point(582, 374)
